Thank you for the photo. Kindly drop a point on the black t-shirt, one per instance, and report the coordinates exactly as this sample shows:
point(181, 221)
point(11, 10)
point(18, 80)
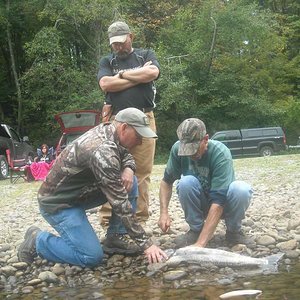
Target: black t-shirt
point(139, 96)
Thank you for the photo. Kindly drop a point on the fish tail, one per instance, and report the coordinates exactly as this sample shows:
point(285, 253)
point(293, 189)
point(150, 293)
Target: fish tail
point(272, 262)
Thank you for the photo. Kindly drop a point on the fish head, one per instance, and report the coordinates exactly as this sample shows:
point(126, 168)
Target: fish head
point(170, 252)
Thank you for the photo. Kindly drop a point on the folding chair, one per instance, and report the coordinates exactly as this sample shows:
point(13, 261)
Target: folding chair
point(17, 167)
point(51, 151)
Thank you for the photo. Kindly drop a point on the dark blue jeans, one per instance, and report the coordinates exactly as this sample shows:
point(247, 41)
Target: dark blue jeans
point(195, 204)
point(77, 243)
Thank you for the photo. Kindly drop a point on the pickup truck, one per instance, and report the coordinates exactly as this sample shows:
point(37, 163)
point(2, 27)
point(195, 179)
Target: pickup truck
point(254, 141)
point(297, 147)
point(19, 148)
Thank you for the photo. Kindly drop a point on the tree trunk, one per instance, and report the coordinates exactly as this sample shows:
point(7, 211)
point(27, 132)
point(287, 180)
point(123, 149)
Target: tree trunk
point(13, 68)
point(212, 47)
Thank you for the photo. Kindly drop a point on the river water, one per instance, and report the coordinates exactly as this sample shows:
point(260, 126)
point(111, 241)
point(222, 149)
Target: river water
point(282, 286)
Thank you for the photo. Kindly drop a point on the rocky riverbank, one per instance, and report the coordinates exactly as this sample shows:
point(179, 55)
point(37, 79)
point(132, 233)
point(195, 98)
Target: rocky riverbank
point(273, 220)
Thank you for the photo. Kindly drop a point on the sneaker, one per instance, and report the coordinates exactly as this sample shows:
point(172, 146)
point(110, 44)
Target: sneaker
point(238, 237)
point(186, 239)
point(120, 244)
point(27, 250)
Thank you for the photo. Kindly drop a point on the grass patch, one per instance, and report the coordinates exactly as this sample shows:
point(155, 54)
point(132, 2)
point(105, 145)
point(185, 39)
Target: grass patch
point(15, 191)
point(273, 172)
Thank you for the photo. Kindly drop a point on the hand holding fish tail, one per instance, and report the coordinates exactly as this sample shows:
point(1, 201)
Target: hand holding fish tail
point(155, 254)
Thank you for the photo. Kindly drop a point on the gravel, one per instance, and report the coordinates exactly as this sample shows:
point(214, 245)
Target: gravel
point(273, 220)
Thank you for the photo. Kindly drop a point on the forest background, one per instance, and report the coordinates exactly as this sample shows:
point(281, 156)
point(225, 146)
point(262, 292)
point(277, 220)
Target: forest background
point(232, 63)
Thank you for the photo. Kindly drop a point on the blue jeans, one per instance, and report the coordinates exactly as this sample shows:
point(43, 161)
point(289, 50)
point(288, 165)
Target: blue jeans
point(77, 243)
point(196, 204)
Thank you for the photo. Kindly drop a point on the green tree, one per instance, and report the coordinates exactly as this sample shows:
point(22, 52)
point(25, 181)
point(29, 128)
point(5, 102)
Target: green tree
point(231, 63)
point(232, 67)
point(18, 25)
point(64, 56)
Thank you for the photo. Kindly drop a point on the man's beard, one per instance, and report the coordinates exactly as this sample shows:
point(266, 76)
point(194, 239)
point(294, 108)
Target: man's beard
point(123, 54)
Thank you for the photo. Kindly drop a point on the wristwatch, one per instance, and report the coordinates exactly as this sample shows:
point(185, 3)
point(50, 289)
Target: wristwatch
point(121, 73)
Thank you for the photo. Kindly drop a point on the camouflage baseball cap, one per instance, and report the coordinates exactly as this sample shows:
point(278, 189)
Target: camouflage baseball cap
point(138, 120)
point(190, 133)
point(117, 32)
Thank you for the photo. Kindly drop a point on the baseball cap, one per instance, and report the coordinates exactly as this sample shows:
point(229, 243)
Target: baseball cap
point(138, 120)
point(190, 133)
point(117, 32)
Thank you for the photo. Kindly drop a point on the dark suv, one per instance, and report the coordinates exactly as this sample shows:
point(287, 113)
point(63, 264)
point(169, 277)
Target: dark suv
point(254, 141)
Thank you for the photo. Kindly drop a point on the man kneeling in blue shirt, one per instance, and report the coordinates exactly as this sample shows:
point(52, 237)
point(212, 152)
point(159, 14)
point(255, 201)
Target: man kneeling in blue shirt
point(207, 189)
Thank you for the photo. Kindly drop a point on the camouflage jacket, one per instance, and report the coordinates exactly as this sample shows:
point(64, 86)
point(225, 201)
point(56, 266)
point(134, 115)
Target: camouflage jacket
point(87, 169)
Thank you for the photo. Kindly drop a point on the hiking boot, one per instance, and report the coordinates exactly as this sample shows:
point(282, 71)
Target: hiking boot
point(27, 250)
point(238, 237)
point(186, 239)
point(120, 244)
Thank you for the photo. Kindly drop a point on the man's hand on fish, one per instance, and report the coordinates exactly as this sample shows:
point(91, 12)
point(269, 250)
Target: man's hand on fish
point(164, 222)
point(155, 254)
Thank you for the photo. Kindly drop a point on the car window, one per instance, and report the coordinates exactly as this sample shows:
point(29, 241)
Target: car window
point(71, 137)
point(252, 133)
point(14, 135)
point(219, 136)
point(268, 132)
point(233, 135)
point(227, 135)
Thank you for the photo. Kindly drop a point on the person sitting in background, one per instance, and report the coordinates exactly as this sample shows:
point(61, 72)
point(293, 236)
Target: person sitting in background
point(39, 169)
point(44, 154)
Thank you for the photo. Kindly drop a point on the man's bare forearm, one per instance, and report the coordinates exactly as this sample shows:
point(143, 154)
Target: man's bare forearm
point(165, 193)
point(129, 78)
point(213, 218)
point(115, 84)
point(142, 75)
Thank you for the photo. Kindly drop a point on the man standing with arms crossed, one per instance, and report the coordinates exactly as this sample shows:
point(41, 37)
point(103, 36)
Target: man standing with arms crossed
point(126, 76)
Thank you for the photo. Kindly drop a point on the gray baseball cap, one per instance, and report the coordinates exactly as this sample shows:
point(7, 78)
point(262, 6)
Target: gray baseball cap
point(117, 32)
point(138, 120)
point(190, 133)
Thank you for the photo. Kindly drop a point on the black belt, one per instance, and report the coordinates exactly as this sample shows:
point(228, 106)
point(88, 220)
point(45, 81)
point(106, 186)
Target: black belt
point(146, 109)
